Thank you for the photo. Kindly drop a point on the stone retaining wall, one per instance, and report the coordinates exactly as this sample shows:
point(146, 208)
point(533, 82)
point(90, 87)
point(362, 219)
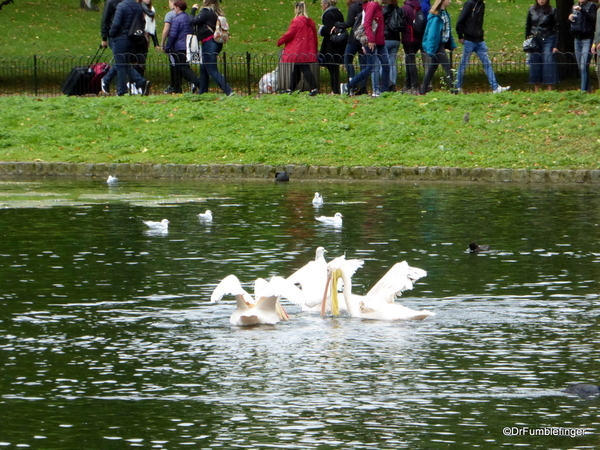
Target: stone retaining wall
point(301, 172)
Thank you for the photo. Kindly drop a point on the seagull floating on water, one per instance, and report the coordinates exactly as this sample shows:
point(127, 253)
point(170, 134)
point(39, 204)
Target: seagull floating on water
point(162, 225)
point(112, 180)
point(317, 199)
point(474, 248)
point(335, 220)
point(378, 304)
point(263, 308)
point(206, 216)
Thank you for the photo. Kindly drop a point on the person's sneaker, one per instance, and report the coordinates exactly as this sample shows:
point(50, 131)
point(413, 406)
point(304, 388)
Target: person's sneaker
point(169, 90)
point(145, 88)
point(501, 89)
point(344, 88)
point(104, 87)
point(375, 94)
point(313, 92)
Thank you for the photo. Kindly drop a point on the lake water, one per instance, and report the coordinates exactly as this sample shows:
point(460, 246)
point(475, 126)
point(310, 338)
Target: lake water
point(108, 339)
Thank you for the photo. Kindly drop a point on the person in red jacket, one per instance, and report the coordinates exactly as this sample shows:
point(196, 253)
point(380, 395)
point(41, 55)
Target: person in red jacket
point(300, 47)
point(374, 29)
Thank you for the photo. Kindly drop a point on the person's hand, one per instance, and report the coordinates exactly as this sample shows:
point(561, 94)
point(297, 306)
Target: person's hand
point(576, 8)
point(461, 41)
point(104, 44)
point(372, 45)
point(195, 5)
point(554, 50)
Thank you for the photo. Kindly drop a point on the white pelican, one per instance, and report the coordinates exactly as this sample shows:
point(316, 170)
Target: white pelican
point(263, 308)
point(335, 220)
point(376, 304)
point(112, 180)
point(206, 216)
point(317, 199)
point(163, 225)
point(312, 279)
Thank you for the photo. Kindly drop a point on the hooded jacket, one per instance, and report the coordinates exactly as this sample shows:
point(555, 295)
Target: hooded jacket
point(433, 34)
point(300, 41)
point(408, 35)
point(469, 25)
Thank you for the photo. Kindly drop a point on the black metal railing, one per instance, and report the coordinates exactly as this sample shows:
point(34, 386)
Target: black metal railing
point(44, 75)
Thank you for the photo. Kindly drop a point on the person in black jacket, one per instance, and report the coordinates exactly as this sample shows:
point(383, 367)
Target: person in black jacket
point(469, 28)
point(353, 47)
point(583, 19)
point(331, 52)
point(123, 46)
point(542, 22)
point(110, 7)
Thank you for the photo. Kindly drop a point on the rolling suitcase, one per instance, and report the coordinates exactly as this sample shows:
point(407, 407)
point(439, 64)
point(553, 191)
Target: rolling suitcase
point(84, 80)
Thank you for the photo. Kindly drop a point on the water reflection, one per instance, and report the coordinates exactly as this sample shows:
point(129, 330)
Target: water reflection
point(109, 338)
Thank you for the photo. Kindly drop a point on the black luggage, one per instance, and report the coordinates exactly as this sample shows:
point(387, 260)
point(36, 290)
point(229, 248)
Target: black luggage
point(80, 79)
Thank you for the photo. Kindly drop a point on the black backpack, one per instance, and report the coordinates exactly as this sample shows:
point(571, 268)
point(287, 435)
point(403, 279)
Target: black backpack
point(138, 25)
point(580, 25)
point(396, 21)
point(420, 22)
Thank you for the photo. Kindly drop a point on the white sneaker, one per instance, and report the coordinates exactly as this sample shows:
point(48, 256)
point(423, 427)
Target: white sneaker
point(344, 88)
point(104, 87)
point(501, 89)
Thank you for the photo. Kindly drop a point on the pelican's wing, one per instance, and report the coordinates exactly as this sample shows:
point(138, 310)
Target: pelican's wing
point(283, 287)
point(232, 286)
point(350, 266)
point(306, 274)
point(397, 280)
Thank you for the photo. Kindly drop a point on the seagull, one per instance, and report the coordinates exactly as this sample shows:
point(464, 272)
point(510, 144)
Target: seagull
point(378, 304)
point(474, 248)
point(163, 225)
point(206, 216)
point(112, 180)
point(317, 199)
point(263, 308)
point(335, 220)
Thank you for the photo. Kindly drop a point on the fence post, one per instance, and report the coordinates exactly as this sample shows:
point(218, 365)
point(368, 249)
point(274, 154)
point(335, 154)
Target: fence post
point(248, 81)
point(35, 77)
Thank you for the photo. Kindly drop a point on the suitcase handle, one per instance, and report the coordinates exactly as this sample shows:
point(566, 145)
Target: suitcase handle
point(98, 55)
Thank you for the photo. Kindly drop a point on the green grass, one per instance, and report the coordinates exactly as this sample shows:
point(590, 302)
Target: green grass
point(60, 27)
point(516, 130)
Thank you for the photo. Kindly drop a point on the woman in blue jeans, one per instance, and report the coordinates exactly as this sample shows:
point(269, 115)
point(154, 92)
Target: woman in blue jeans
point(542, 22)
point(205, 24)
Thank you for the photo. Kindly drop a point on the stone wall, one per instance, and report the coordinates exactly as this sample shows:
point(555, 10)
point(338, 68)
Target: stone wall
point(301, 172)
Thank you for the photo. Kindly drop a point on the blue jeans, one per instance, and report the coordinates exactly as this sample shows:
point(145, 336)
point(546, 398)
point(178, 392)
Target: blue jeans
point(379, 54)
point(542, 66)
point(112, 72)
point(351, 50)
point(392, 49)
point(583, 56)
point(481, 50)
point(210, 52)
point(122, 50)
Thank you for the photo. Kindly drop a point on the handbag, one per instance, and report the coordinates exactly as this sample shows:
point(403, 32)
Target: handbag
point(531, 45)
point(341, 37)
point(193, 54)
point(360, 33)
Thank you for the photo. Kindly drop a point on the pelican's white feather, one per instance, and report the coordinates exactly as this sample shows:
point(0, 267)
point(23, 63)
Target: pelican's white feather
point(398, 279)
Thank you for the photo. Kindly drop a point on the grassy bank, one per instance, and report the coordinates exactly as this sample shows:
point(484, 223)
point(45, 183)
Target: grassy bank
point(513, 130)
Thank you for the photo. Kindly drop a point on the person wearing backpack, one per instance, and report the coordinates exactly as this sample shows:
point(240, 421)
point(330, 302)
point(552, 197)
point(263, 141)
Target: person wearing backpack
point(469, 28)
point(123, 45)
point(583, 24)
point(543, 23)
point(331, 51)
point(436, 40)
point(206, 24)
point(393, 18)
point(412, 37)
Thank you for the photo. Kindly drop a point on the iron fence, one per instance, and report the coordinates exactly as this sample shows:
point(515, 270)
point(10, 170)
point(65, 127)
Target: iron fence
point(44, 75)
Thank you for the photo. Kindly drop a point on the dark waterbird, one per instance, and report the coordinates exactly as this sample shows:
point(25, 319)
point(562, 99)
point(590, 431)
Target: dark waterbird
point(583, 390)
point(474, 248)
point(282, 176)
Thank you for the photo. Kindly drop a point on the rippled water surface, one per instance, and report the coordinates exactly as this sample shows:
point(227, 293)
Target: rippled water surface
point(108, 338)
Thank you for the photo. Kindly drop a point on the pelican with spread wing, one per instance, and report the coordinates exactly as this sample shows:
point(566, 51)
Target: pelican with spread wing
point(379, 303)
point(264, 307)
